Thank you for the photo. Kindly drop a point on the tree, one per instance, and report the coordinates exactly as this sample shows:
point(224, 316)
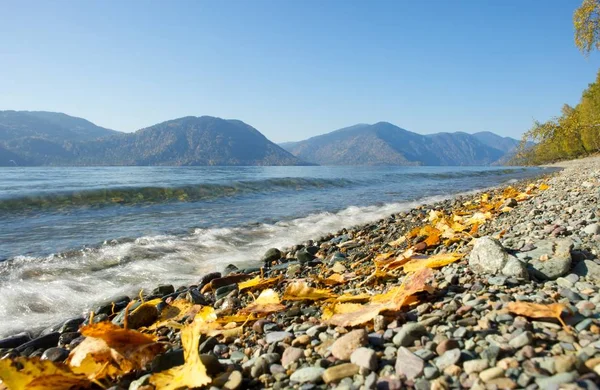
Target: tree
point(586, 21)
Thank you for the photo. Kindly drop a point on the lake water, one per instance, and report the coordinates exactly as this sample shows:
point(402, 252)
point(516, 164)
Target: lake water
point(70, 237)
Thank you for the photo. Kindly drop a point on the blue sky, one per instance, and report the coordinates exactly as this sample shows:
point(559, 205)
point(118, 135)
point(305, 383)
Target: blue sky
point(295, 69)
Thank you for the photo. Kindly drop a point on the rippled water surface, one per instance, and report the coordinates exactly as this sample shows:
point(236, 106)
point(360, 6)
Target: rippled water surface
point(70, 237)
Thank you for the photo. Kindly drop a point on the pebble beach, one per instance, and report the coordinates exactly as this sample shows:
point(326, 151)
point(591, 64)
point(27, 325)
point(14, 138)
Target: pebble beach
point(482, 255)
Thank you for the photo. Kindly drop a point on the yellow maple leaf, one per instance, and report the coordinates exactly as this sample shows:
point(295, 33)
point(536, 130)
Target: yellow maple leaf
point(192, 373)
point(543, 187)
point(35, 374)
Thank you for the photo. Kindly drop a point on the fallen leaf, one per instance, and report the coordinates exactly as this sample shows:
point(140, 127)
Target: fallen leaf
point(300, 291)
point(175, 312)
point(397, 242)
point(116, 336)
point(192, 373)
point(434, 261)
point(543, 187)
point(331, 280)
point(377, 274)
point(353, 298)
point(32, 373)
point(383, 257)
point(393, 300)
point(479, 218)
point(267, 302)
point(522, 196)
point(258, 283)
point(111, 351)
point(339, 308)
point(538, 310)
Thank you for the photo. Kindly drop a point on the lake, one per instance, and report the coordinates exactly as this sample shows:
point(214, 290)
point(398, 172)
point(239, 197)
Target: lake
point(70, 237)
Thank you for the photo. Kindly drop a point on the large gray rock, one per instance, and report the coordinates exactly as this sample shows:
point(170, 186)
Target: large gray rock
point(550, 259)
point(489, 257)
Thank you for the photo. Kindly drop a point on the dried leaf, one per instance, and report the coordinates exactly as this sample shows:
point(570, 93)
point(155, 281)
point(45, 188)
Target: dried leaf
point(522, 196)
point(111, 351)
point(434, 215)
point(479, 218)
point(173, 312)
point(382, 257)
point(340, 308)
point(267, 302)
point(332, 280)
point(192, 373)
point(397, 242)
point(538, 310)
point(392, 300)
point(258, 283)
point(543, 187)
point(377, 274)
point(32, 373)
point(434, 261)
point(353, 298)
point(458, 227)
point(300, 291)
point(116, 336)
point(206, 315)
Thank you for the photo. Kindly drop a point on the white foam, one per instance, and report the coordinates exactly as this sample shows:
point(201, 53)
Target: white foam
point(39, 292)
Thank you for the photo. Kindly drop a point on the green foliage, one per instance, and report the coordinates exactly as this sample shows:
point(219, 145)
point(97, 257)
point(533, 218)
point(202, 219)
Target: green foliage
point(574, 134)
point(586, 21)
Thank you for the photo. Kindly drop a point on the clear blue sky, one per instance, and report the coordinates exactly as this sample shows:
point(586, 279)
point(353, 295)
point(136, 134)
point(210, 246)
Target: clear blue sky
point(295, 69)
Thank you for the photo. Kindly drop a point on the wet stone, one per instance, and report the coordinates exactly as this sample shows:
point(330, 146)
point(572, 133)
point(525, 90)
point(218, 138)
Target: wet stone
point(55, 354)
point(163, 290)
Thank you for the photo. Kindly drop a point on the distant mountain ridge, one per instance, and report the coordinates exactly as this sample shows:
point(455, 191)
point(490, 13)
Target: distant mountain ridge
point(48, 138)
point(44, 138)
point(386, 144)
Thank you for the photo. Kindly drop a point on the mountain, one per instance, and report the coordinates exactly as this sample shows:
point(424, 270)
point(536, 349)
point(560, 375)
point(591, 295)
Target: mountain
point(506, 144)
point(43, 138)
point(386, 144)
point(188, 141)
point(53, 126)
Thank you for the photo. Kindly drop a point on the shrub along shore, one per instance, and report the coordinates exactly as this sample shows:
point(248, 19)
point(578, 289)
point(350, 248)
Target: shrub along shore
point(491, 290)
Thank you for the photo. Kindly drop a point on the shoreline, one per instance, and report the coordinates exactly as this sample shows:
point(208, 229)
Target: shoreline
point(413, 346)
